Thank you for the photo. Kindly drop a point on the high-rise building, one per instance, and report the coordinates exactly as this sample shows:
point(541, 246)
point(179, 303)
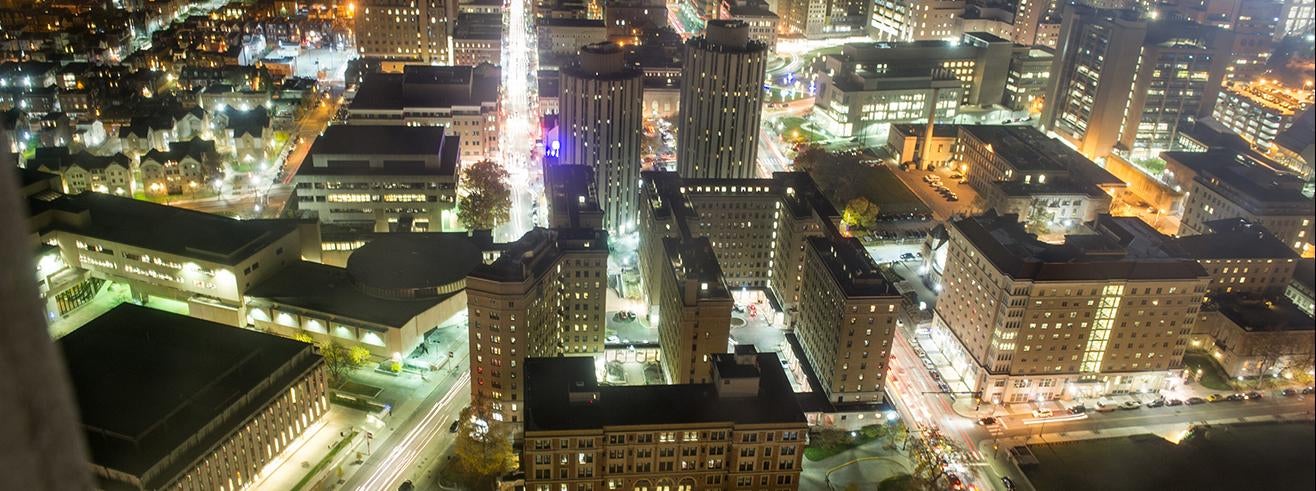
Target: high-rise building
point(1033, 321)
point(721, 102)
point(778, 238)
point(743, 429)
point(1260, 111)
point(913, 20)
point(848, 320)
point(1297, 19)
point(405, 31)
point(1120, 82)
point(1027, 15)
point(600, 125)
point(543, 297)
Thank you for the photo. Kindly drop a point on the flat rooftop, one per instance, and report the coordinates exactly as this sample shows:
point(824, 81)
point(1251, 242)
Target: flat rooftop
point(327, 289)
point(404, 142)
point(692, 259)
point(537, 249)
point(421, 87)
point(550, 382)
point(1025, 148)
point(849, 265)
point(1254, 314)
point(148, 381)
point(161, 228)
point(1239, 173)
point(1089, 257)
point(1232, 239)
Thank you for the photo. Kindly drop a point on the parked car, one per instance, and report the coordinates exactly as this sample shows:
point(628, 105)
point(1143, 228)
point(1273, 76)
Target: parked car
point(1174, 402)
point(452, 428)
point(1235, 397)
point(1308, 390)
point(1215, 398)
point(1130, 405)
point(1156, 403)
point(1042, 413)
point(1079, 409)
point(988, 421)
point(1193, 401)
point(1288, 392)
point(1008, 483)
point(1252, 396)
point(1106, 407)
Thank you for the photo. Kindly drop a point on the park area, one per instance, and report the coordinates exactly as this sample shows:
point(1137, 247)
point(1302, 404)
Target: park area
point(844, 176)
point(1270, 456)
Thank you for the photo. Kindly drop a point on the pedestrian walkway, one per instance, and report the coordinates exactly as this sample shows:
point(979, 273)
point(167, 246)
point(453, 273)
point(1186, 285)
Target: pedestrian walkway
point(864, 466)
point(290, 467)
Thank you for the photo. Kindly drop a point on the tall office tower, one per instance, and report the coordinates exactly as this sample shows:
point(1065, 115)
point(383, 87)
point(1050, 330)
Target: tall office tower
point(601, 106)
point(1026, 320)
point(721, 102)
point(405, 31)
point(543, 297)
point(1121, 83)
point(1027, 15)
point(914, 20)
point(1297, 19)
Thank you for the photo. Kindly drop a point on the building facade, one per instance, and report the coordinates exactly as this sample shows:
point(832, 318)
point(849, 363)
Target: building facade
point(741, 430)
point(392, 178)
point(544, 296)
point(406, 31)
point(721, 103)
point(1030, 321)
point(600, 127)
point(1228, 185)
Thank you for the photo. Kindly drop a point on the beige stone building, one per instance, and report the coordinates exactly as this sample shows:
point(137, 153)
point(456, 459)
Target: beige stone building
point(694, 308)
point(1026, 320)
point(1254, 335)
point(543, 297)
point(742, 430)
point(1226, 184)
point(848, 318)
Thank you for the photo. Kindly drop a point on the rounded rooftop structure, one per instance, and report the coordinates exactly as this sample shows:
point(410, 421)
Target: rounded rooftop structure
point(413, 265)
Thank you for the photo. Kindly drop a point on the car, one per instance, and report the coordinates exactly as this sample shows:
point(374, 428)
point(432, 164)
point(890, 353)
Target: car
point(1007, 482)
point(1130, 405)
point(988, 421)
point(953, 198)
point(1079, 409)
point(1193, 401)
point(613, 340)
point(1215, 398)
point(1252, 396)
point(1106, 407)
point(956, 175)
point(1288, 392)
point(907, 256)
point(1042, 413)
point(1308, 390)
point(1235, 397)
point(1173, 402)
point(1156, 403)
point(934, 375)
point(452, 428)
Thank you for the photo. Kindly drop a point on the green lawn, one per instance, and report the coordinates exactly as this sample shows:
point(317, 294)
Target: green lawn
point(826, 443)
point(884, 188)
point(1213, 377)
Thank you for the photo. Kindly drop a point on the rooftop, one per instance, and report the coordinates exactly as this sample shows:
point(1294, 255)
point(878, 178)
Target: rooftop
point(850, 266)
point(345, 139)
point(148, 382)
point(1026, 149)
point(532, 254)
point(1254, 313)
point(1228, 170)
point(693, 260)
point(421, 86)
point(167, 229)
point(413, 262)
point(1103, 255)
point(551, 384)
point(321, 288)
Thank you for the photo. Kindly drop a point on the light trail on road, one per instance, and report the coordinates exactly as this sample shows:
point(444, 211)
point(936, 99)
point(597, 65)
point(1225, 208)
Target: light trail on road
point(391, 474)
point(518, 110)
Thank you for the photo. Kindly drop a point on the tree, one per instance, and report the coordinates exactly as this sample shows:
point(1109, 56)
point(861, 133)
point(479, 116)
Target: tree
point(483, 451)
point(487, 200)
point(340, 360)
point(901, 482)
point(808, 158)
point(859, 213)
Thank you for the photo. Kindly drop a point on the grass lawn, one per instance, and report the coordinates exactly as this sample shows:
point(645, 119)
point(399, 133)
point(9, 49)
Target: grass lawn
point(884, 188)
point(1213, 377)
point(1274, 457)
point(792, 127)
point(836, 441)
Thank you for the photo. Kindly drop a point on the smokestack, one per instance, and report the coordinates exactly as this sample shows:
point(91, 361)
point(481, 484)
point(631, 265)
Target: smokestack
point(927, 133)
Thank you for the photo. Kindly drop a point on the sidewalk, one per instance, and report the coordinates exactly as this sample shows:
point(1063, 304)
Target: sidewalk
point(849, 467)
point(289, 467)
